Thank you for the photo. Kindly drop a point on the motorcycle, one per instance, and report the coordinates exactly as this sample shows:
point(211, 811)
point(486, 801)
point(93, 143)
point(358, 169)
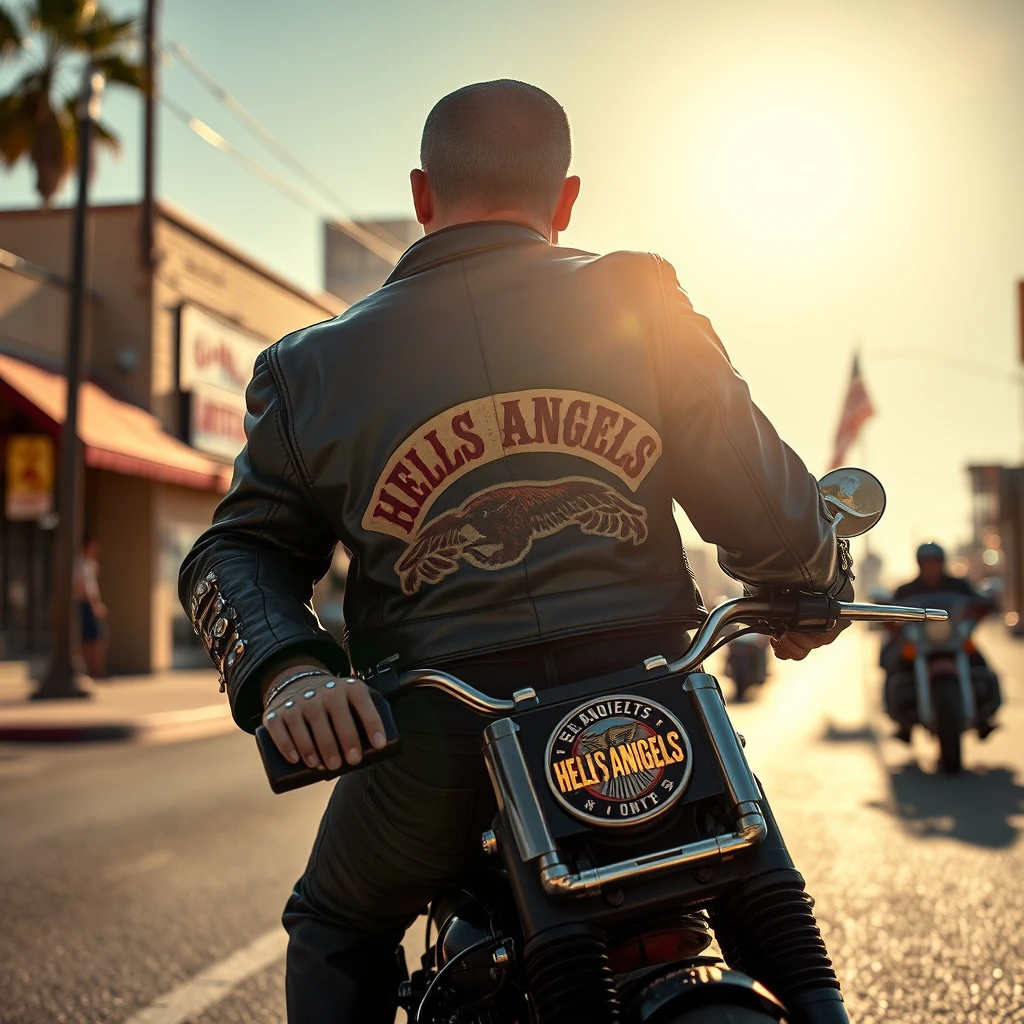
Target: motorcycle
point(943, 691)
point(629, 829)
point(747, 662)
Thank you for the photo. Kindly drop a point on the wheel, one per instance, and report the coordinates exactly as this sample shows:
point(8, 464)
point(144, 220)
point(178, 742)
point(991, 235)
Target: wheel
point(723, 1013)
point(949, 722)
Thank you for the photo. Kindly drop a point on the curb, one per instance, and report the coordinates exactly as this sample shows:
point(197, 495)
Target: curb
point(157, 727)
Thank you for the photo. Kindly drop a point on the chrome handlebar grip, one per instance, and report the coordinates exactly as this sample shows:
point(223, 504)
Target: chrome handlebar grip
point(889, 613)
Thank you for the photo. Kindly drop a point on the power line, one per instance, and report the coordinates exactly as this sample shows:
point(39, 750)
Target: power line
point(264, 135)
point(276, 181)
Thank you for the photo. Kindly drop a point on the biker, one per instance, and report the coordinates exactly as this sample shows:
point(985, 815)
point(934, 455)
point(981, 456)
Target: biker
point(933, 578)
point(496, 391)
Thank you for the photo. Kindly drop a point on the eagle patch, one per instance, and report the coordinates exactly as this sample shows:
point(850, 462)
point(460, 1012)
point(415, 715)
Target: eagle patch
point(496, 527)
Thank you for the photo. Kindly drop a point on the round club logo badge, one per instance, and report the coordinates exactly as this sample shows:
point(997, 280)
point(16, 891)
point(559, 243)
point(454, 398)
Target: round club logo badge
point(618, 760)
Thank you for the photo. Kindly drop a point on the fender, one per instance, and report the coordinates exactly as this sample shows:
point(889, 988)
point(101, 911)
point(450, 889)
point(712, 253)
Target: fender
point(701, 983)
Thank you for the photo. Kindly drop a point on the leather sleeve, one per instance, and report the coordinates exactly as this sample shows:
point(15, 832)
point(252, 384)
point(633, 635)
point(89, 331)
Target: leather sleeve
point(742, 487)
point(247, 584)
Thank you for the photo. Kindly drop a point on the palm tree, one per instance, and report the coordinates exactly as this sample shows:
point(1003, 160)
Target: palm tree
point(37, 115)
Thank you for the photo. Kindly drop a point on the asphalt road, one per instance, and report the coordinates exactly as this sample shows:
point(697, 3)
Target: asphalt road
point(128, 871)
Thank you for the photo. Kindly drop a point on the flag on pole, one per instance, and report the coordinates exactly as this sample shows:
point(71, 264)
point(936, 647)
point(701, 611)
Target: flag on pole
point(857, 410)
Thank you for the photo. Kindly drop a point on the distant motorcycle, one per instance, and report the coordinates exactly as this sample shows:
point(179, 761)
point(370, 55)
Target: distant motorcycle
point(945, 689)
point(747, 662)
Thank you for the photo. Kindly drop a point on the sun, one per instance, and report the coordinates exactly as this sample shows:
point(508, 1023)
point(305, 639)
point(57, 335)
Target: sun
point(782, 171)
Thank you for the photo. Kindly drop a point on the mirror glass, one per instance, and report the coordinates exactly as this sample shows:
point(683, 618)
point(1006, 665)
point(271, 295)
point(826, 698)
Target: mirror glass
point(854, 498)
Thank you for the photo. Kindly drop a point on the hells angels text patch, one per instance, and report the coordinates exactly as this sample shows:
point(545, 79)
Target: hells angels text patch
point(618, 760)
point(474, 433)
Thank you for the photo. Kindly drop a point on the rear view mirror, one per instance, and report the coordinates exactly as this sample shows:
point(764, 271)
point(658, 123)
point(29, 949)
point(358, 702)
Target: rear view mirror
point(854, 498)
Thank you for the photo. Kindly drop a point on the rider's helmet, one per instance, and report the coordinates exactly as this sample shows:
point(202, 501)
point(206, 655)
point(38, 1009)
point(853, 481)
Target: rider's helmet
point(930, 551)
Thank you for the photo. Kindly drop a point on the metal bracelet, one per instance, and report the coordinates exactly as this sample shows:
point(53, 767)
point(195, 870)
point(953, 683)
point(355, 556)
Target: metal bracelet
point(293, 679)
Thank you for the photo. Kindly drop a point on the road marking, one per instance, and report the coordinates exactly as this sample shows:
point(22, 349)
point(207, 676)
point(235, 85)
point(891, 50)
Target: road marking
point(147, 862)
point(212, 985)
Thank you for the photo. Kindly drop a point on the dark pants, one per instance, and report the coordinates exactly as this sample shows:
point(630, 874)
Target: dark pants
point(394, 835)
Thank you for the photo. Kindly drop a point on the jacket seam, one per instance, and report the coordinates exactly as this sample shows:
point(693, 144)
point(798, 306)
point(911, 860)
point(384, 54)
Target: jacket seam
point(490, 391)
point(286, 431)
point(755, 485)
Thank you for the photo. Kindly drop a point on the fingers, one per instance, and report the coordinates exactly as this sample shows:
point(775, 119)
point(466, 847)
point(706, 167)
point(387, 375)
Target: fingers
point(337, 704)
point(361, 699)
point(302, 738)
point(787, 649)
point(796, 646)
point(282, 738)
point(318, 721)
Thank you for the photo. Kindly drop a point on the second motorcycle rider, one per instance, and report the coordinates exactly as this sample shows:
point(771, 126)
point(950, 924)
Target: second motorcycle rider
point(497, 436)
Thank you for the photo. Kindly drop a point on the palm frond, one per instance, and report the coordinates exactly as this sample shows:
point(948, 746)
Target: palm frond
point(102, 33)
point(37, 117)
point(53, 149)
point(60, 20)
point(10, 35)
point(118, 70)
point(17, 129)
point(106, 137)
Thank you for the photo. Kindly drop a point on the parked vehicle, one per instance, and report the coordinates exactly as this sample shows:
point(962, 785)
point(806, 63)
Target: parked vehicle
point(945, 686)
point(629, 829)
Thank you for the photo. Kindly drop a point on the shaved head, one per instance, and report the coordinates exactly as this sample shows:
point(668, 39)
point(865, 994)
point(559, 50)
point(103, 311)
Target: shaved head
point(501, 145)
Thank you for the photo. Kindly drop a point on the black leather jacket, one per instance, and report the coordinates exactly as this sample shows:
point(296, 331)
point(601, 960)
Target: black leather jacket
point(497, 436)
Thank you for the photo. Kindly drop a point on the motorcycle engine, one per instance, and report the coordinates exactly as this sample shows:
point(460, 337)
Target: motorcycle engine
point(478, 978)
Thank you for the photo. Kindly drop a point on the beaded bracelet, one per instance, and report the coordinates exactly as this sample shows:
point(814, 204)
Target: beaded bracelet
point(293, 679)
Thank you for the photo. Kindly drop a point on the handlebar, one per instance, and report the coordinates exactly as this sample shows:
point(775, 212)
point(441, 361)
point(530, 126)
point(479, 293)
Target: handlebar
point(796, 611)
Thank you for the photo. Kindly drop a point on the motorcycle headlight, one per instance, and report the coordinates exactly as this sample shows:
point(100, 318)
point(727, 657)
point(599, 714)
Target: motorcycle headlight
point(938, 632)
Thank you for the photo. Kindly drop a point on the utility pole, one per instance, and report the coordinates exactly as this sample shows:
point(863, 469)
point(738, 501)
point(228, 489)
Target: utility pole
point(60, 680)
point(148, 240)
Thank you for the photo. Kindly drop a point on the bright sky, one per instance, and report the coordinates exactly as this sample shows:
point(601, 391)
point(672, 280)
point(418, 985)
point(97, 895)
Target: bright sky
point(817, 173)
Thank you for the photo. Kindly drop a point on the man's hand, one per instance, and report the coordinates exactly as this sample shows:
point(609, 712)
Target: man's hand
point(320, 728)
point(796, 646)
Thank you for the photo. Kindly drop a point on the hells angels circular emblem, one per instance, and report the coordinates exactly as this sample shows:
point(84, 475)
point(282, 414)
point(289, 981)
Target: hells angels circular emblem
point(618, 760)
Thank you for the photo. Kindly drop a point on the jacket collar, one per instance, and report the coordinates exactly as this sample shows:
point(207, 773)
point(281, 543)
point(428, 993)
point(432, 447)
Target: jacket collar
point(459, 241)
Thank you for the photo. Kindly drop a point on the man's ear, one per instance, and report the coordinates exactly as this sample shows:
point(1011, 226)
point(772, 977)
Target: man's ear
point(563, 211)
point(422, 197)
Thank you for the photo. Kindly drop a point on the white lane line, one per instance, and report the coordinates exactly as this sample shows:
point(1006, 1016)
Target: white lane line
point(212, 985)
point(147, 862)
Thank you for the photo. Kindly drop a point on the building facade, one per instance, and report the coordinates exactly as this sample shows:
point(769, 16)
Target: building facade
point(351, 270)
point(171, 351)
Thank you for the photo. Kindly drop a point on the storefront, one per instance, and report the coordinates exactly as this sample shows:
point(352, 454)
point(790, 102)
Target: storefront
point(161, 417)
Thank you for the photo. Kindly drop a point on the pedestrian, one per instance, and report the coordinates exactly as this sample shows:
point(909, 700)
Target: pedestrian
point(92, 612)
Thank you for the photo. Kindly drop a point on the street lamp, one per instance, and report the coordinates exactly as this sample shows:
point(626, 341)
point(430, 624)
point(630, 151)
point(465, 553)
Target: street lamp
point(60, 680)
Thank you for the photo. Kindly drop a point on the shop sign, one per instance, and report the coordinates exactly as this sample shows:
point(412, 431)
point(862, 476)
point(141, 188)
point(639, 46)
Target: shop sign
point(214, 352)
point(29, 476)
point(216, 421)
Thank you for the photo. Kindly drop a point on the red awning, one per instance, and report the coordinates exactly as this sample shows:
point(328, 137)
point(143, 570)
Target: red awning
point(116, 435)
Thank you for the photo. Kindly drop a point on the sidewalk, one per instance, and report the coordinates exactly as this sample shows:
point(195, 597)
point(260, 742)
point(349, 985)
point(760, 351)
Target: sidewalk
point(161, 708)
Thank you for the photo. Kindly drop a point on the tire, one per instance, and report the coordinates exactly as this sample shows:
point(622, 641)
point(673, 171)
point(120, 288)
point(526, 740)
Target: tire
point(723, 1013)
point(949, 722)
